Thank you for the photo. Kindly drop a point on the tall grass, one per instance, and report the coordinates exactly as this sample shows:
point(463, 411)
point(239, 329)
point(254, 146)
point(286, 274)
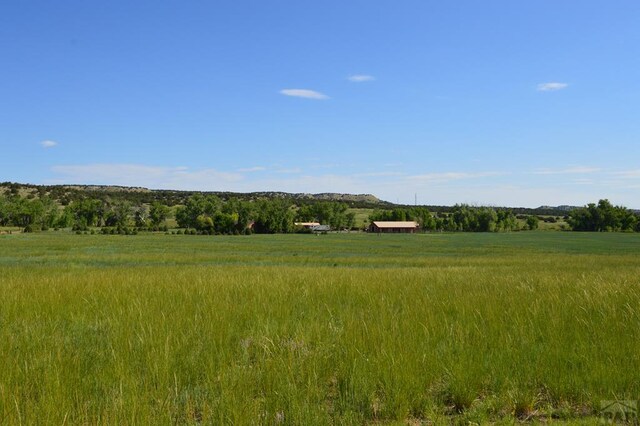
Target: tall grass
point(353, 330)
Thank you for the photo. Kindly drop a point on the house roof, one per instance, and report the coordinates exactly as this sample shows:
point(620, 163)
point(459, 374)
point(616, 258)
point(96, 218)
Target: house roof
point(389, 224)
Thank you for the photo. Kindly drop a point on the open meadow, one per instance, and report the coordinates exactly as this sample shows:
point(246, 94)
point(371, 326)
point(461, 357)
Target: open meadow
point(329, 329)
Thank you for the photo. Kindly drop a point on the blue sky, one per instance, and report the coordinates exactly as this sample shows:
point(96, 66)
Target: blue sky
point(499, 102)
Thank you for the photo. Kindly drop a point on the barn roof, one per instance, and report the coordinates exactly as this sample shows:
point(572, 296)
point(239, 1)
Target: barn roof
point(389, 224)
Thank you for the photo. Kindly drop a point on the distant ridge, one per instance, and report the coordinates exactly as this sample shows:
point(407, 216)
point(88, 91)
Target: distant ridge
point(65, 193)
point(563, 208)
point(147, 195)
point(324, 196)
point(105, 188)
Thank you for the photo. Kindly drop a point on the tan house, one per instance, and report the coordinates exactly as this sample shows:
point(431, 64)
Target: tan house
point(307, 225)
point(393, 227)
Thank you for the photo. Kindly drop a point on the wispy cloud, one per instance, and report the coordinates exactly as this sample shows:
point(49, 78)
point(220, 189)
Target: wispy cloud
point(628, 174)
point(325, 166)
point(252, 169)
point(304, 93)
point(380, 174)
point(291, 170)
point(451, 176)
point(583, 181)
point(360, 78)
point(568, 171)
point(48, 144)
point(314, 184)
point(550, 87)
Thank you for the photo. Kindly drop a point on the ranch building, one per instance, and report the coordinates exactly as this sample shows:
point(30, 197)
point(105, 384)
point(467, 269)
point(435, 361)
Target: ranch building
point(307, 225)
point(393, 227)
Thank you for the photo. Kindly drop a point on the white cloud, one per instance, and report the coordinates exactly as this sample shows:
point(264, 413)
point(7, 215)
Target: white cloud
point(325, 166)
point(568, 171)
point(253, 169)
point(145, 176)
point(312, 184)
point(550, 87)
point(361, 78)
point(290, 170)
point(304, 93)
point(380, 174)
point(583, 181)
point(628, 174)
point(48, 144)
point(451, 176)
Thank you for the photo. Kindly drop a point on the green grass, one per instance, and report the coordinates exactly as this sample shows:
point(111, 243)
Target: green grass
point(304, 329)
point(361, 216)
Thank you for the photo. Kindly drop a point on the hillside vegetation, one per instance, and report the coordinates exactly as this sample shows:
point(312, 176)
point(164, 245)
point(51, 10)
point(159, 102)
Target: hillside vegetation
point(109, 209)
point(65, 194)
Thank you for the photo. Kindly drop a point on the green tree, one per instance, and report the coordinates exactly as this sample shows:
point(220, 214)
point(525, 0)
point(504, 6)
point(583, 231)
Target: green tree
point(305, 213)
point(274, 216)
point(158, 213)
point(350, 220)
point(65, 219)
point(141, 217)
point(225, 223)
point(86, 212)
point(50, 213)
point(602, 217)
point(506, 221)
point(197, 205)
point(486, 220)
point(5, 215)
point(120, 215)
point(204, 223)
point(27, 214)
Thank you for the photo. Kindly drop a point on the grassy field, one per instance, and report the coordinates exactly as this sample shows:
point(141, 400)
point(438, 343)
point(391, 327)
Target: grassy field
point(304, 329)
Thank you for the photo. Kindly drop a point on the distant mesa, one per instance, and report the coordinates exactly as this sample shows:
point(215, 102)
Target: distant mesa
point(563, 208)
point(138, 191)
point(107, 188)
point(325, 196)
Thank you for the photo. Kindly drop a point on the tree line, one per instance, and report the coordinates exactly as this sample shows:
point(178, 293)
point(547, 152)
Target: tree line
point(210, 214)
point(604, 217)
point(200, 214)
point(43, 213)
point(600, 217)
point(462, 218)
